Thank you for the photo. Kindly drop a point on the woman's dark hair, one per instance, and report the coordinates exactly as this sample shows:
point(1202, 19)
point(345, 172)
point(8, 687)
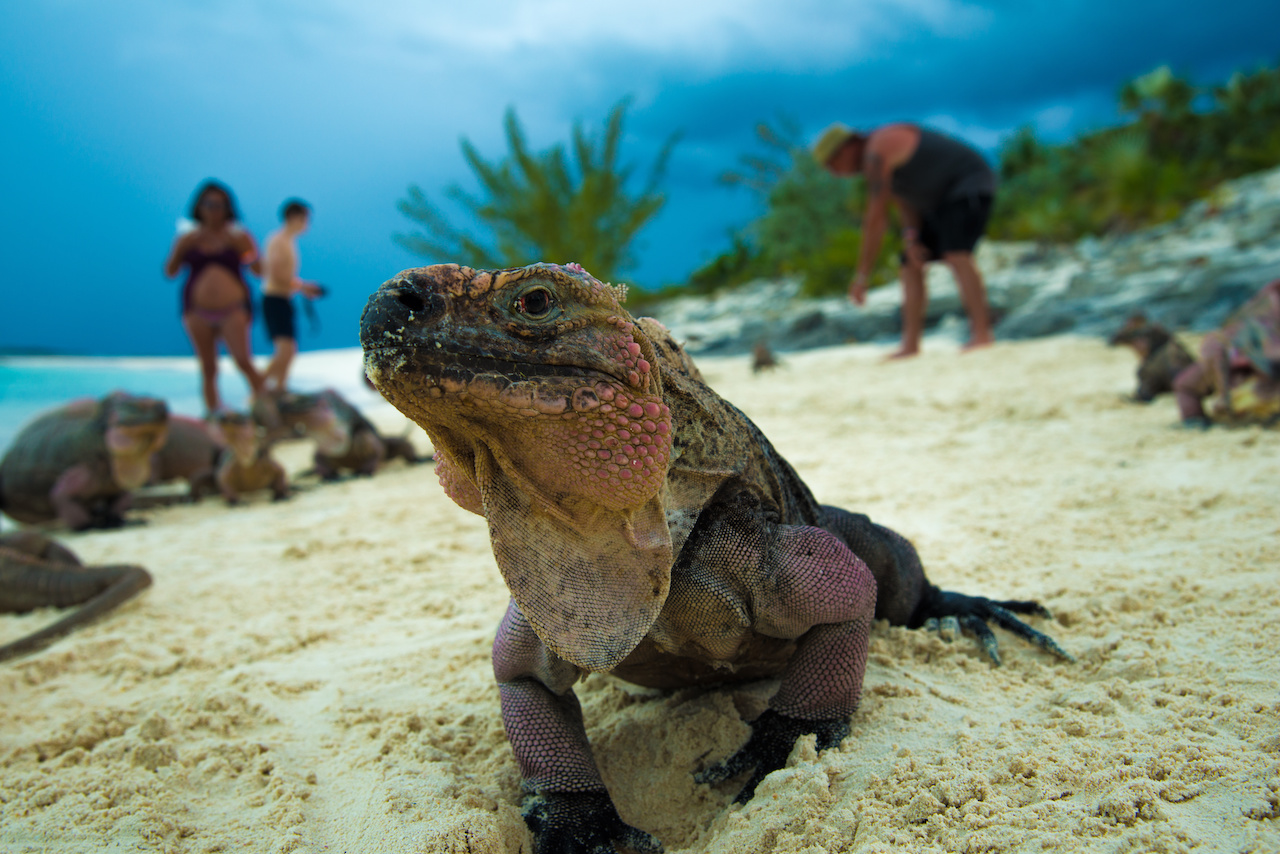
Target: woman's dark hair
point(293, 207)
point(215, 186)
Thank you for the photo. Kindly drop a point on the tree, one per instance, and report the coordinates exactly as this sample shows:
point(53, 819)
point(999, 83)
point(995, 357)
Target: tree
point(811, 225)
point(1178, 141)
point(540, 206)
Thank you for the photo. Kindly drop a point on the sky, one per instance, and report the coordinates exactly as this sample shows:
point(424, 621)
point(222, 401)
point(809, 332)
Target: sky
point(114, 112)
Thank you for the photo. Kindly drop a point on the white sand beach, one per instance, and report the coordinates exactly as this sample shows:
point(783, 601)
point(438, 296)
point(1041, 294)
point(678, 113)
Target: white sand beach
point(313, 675)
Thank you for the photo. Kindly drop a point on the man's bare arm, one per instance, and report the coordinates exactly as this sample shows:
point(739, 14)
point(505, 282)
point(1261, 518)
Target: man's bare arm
point(874, 221)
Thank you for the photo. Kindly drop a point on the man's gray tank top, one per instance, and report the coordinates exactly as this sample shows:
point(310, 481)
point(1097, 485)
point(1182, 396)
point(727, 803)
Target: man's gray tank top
point(941, 168)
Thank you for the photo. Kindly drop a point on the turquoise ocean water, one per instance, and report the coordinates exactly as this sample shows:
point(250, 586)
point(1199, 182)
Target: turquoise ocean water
point(30, 386)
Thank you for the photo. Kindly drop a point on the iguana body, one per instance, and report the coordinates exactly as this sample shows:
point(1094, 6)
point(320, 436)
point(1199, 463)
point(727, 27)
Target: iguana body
point(190, 452)
point(36, 572)
point(644, 526)
point(79, 463)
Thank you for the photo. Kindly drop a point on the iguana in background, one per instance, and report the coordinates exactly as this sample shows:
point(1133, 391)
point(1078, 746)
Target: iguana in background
point(246, 464)
point(644, 526)
point(345, 439)
point(78, 463)
point(1161, 356)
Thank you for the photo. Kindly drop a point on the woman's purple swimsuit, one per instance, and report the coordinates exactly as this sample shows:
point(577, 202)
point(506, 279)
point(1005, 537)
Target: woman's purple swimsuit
point(197, 259)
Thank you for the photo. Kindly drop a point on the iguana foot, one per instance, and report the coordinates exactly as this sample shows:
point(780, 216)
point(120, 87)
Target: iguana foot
point(943, 610)
point(773, 734)
point(582, 823)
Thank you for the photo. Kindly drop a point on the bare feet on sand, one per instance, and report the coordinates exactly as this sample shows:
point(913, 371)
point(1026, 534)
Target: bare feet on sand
point(978, 343)
point(898, 355)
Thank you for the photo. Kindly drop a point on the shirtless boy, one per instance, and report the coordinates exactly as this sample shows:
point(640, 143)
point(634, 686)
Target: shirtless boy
point(943, 190)
point(279, 285)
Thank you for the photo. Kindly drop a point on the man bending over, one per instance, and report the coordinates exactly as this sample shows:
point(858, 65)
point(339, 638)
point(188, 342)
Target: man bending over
point(943, 189)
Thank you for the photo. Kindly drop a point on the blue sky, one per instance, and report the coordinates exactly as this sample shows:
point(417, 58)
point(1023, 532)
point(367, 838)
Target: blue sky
point(114, 112)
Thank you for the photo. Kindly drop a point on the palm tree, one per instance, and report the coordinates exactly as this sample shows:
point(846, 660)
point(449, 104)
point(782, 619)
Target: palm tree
point(545, 205)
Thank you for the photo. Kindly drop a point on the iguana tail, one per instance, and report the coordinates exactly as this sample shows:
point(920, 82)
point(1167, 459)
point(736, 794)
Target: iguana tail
point(104, 588)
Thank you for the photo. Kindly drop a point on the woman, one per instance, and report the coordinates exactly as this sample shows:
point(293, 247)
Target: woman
point(215, 298)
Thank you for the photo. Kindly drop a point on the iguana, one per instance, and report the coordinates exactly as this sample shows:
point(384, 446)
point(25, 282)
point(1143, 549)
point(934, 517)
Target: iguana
point(644, 526)
point(36, 572)
point(1239, 366)
point(1161, 356)
point(246, 464)
point(345, 439)
point(78, 463)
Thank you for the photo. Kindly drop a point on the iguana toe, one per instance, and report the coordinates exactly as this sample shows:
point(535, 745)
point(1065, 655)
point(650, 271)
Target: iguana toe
point(773, 735)
point(976, 613)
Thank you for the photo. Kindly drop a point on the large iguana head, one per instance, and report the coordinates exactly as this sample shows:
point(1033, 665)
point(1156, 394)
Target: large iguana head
point(543, 399)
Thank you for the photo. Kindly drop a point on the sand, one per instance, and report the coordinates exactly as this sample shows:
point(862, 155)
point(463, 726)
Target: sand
point(313, 676)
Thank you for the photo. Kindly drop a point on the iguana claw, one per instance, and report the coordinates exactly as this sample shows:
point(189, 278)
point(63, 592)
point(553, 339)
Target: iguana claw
point(773, 734)
point(582, 823)
point(944, 609)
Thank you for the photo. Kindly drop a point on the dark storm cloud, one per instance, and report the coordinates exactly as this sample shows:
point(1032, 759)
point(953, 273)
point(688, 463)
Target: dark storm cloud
point(114, 112)
point(1028, 57)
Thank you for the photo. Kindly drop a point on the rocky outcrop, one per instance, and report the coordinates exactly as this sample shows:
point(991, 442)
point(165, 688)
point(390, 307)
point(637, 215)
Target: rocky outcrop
point(1187, 274)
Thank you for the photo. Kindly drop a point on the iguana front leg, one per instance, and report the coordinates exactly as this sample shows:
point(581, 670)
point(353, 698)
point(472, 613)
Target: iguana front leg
point(801, 582)
point(569, 809)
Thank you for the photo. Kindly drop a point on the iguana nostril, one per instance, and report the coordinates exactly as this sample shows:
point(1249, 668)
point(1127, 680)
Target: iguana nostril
point(409, 300)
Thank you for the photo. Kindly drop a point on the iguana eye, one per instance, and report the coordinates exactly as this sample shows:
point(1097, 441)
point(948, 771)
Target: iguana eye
point(535, 303)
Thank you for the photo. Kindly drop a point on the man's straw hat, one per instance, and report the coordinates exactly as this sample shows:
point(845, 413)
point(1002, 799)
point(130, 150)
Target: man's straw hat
point(829, 143)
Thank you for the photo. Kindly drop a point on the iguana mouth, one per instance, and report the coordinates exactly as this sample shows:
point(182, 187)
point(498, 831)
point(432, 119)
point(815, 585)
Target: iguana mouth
point(461, 364)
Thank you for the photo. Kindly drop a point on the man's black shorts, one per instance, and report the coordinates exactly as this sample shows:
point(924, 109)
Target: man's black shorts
point(278, 314)
point(956, 225)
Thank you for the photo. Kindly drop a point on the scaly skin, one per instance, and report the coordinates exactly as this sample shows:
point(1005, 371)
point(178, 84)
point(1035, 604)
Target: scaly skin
point(643, 525)
point(78, 463)
point(1161, 356)
point(36, 572)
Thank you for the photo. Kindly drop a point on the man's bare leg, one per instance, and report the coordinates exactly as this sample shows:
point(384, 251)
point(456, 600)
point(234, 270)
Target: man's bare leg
point(914, 302)
point(277, 372)
point(973, 293)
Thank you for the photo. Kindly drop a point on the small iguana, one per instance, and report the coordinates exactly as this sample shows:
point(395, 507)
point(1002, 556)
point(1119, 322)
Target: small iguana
point(246, 464)
point(1161, 356)
point(644, 526)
